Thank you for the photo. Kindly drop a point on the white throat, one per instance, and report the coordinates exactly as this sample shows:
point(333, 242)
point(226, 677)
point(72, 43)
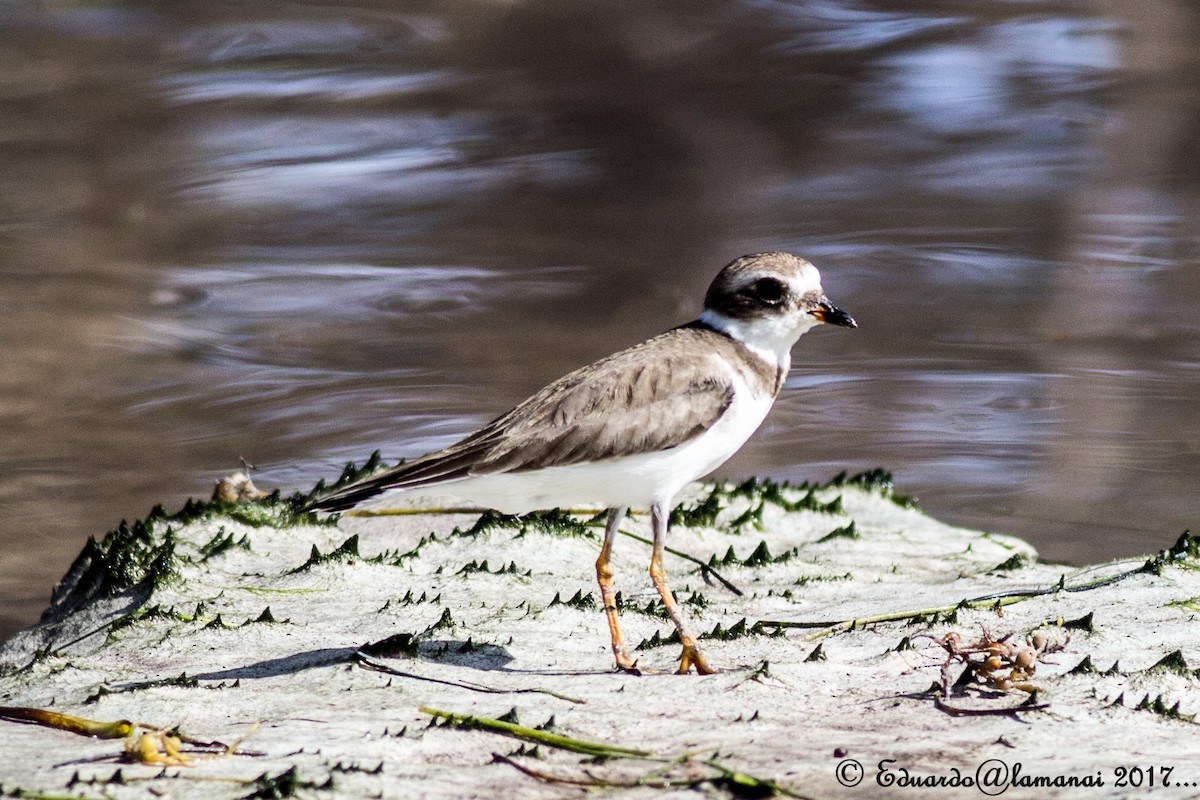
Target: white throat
point(770, 338)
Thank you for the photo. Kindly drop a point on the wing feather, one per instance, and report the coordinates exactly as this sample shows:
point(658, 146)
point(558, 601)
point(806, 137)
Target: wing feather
point(651, 397)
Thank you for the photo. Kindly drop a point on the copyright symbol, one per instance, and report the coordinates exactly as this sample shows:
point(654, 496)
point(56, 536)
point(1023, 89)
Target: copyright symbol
point(849, 772)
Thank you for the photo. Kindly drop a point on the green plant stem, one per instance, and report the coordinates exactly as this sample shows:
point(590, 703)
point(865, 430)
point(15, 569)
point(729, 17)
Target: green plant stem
point(741, 783)
point(596, 749)
point(995, 599)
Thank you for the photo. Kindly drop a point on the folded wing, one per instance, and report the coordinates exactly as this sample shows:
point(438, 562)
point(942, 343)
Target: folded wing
point(620, 406)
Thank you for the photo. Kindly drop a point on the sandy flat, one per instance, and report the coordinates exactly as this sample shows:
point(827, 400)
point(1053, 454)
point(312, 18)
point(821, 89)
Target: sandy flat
point(246, 627)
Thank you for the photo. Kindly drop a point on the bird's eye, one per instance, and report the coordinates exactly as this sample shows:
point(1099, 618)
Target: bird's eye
point(769, 290)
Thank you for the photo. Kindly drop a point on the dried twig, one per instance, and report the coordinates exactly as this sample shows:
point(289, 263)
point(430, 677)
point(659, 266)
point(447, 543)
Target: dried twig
point(369, 662)
point(955, 711)
point(705, 567)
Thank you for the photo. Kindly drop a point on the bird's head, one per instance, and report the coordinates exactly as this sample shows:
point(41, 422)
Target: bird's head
point(767, 300)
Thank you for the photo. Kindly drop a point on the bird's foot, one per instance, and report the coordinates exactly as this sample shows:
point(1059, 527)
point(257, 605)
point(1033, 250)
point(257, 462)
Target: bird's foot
point(626, 664)
point(691, 657)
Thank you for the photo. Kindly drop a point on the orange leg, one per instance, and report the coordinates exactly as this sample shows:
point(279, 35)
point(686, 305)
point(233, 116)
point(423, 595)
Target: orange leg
point(660, 514)
point(604, 574)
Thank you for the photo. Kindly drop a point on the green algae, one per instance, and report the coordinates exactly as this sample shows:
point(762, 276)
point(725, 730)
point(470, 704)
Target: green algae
point(578, 600)
point(130, 558)
point(222, 542)
point(845, 532)
point(346, 551)
point(554, 522)
point(472, 567)
point(739, 630)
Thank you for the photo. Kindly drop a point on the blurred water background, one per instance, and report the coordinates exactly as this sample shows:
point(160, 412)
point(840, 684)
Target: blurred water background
point(295, 232)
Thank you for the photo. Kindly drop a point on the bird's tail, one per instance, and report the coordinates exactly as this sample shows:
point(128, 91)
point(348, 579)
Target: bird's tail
point(356, 484)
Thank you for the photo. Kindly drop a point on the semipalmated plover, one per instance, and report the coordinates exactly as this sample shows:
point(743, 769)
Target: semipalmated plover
point(634, 428)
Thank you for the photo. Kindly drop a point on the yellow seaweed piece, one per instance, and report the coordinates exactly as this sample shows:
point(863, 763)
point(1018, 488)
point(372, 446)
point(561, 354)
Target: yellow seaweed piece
point(119, 729)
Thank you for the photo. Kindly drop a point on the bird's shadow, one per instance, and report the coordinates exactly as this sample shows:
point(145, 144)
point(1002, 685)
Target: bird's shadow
point(484, 657)
point(284, 665)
